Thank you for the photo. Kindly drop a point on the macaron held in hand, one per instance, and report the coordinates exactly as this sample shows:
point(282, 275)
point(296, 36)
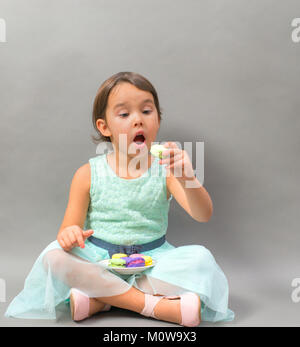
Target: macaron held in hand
point(156, 151)
point(178, 161)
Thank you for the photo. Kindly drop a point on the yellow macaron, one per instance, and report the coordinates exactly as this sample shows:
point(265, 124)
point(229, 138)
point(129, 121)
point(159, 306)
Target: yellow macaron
point(118, 255)
point(148, 260)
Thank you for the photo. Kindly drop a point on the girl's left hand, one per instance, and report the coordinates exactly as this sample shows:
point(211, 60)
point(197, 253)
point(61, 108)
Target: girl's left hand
point(178, 161)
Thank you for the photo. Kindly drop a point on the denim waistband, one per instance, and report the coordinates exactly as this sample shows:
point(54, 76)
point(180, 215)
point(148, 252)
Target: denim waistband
point(113, 248)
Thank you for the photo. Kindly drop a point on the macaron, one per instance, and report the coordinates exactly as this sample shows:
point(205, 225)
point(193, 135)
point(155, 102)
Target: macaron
point(156, 151)
point(134, 261)
point(148, 260)
point(134, 255)
point(118, 255)
point(117, 262)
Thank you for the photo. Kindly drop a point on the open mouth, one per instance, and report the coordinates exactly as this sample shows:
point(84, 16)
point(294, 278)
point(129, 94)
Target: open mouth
point(139, 139)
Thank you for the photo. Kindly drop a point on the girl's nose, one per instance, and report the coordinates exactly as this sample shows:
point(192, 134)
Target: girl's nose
point(137, 119)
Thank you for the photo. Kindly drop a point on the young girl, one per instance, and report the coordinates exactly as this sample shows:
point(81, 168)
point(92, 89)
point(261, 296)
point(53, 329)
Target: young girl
point(118, 204)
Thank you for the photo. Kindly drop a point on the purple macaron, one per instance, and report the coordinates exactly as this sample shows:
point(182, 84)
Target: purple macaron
point(134, 262)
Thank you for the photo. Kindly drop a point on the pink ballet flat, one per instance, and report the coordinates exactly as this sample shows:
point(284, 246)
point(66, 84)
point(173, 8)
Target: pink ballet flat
point(80, 305)
point(190, 305)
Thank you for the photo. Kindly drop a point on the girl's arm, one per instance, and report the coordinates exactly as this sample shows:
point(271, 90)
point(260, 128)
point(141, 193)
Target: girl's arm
point(195, 201)
point(79, 198)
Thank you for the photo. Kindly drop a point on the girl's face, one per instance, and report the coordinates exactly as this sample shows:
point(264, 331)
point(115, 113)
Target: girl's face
point(129, 110)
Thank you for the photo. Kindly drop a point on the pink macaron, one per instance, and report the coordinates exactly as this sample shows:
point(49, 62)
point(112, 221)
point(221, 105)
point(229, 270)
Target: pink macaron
point(134, 255)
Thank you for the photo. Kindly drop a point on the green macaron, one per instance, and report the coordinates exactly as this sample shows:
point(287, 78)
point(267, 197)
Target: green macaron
point(117, 262)
point(156, 151)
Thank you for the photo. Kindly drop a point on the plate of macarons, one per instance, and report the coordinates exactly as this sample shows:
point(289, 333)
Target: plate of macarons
point(128, 264)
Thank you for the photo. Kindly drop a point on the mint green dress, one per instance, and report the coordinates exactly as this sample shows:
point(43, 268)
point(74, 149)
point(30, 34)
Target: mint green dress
point(123, 211)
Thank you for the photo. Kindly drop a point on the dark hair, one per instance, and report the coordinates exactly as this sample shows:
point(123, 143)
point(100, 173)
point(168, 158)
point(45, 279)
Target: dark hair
point(101, 99)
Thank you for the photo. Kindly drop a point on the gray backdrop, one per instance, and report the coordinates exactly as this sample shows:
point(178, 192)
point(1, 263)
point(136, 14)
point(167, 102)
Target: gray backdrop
point(226, 72)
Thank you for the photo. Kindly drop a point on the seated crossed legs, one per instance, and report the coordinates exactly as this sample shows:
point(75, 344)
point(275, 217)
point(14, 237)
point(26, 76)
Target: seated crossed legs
point(97, 288)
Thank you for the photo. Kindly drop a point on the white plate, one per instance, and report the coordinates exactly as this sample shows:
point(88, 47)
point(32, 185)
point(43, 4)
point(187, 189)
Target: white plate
point(126, 270)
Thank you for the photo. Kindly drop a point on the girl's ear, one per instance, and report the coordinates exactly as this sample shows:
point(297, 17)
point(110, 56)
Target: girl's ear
point(103, 128)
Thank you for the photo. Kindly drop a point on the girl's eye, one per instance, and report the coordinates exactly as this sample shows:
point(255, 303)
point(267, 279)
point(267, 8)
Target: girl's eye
point(123, 115)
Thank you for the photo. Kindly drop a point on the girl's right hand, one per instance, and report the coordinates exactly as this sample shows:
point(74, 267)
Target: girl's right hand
point(73, 236)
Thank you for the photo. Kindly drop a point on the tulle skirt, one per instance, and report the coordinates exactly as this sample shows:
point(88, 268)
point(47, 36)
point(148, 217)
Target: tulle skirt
point(178, 269)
